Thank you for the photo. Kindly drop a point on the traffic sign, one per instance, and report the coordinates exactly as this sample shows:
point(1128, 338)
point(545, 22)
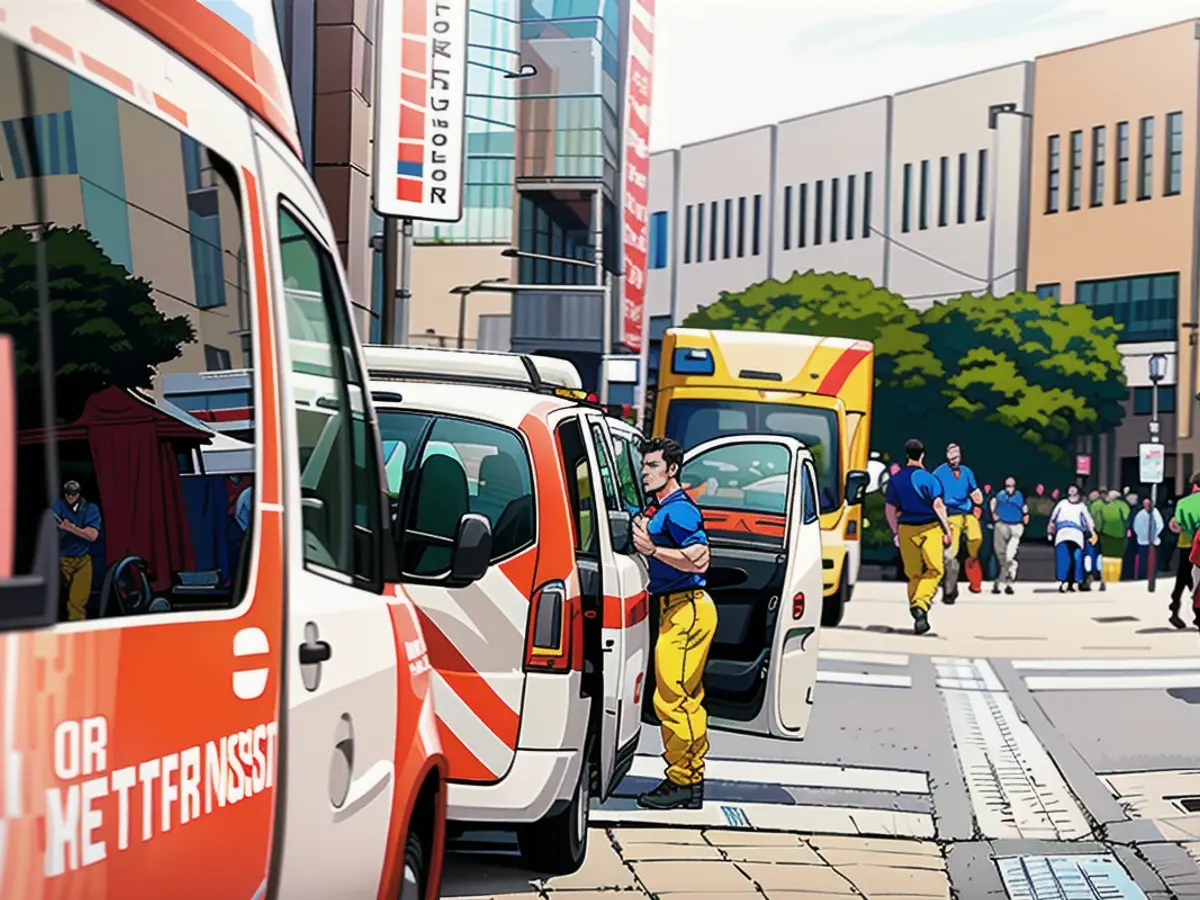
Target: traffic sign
point(1151, 463)
point(1083, 464)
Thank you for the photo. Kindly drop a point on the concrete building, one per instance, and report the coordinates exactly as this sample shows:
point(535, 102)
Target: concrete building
point(1113, 218)
point(951, 172)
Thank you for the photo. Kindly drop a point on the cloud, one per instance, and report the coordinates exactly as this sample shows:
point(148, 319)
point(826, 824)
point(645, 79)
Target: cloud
point(987, 21)
point(834, 33)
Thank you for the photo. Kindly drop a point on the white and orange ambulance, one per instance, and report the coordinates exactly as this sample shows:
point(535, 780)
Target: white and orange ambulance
point(543, 666)
point(210, 684)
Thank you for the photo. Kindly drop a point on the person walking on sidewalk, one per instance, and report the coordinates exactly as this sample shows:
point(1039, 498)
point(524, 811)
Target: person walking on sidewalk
point(1091, 551)
point(1069, 527)
point(1011, 515)
point(964, 502)
point(1113, 528)
point(1185, 523)
point(916, 513)
point(673, 540)
point(1147, 531)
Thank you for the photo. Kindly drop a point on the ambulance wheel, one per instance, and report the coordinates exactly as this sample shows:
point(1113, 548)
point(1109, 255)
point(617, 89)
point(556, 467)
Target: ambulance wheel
point(558, 843)
point(833, 608)
point(414, 876)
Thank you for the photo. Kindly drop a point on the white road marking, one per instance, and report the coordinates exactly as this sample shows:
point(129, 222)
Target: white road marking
point(1113, 682)
point(1015, 788)
point(856, 656)
point(811, 775)
point(1185, 664)
point(870, 679)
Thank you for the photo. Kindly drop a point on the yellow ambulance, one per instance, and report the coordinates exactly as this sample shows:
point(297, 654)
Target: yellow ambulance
point(816, 389)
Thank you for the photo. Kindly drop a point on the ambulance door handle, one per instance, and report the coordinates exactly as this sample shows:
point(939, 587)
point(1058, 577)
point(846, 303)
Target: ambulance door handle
point(313, 652)
point(609, 645)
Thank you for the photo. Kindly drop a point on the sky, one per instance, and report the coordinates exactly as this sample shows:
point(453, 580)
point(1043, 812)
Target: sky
point(717, 71)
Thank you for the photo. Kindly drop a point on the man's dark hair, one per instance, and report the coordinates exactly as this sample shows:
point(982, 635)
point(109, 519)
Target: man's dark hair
point(1196, 479)
point(914, 449)
point(671, 450)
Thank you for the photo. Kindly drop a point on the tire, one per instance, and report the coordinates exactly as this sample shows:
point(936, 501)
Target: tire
point(413, 875)
point(558, 843)
point(834, 607)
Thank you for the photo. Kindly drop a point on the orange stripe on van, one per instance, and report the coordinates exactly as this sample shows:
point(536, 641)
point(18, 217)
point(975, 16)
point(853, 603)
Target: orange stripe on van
point(625, 612)
point(748, 523)
point(463, 764)
point(107, 72)
point(835, 379)
point(178, 113)
point(42, 38)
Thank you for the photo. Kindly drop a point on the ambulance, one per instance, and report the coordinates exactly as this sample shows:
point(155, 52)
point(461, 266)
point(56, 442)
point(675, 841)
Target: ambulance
point(818, 390)
point(543, 668)
point(211, 683)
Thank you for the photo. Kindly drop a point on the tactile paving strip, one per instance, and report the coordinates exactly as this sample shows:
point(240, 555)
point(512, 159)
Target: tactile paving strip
point(1067, 878)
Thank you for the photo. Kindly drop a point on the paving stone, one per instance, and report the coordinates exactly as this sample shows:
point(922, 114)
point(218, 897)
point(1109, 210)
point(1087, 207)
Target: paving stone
point(883, 880)
point(850, 857)
point(878, 844)
point(797, 878)
point(658, 836)
point(722, 837)
point(584, 894)
point(693, 875)
point(602, 868)
point(650, 852)
point(801, 854)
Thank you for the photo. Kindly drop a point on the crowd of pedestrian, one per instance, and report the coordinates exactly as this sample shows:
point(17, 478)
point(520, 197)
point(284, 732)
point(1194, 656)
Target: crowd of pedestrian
point(939, 516)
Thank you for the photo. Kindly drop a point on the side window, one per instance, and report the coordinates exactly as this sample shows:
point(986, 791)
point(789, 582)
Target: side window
point(577, 470)
point(607, 474)
point(744, 477)
point(122, 245)
point(338, 482)
point(809, 488)
point(629, 473)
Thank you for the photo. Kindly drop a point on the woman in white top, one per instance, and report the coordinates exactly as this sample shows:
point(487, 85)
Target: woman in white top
point(1070, 527)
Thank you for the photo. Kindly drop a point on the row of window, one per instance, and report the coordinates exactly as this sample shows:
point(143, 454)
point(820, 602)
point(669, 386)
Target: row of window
point(733, 236)
point(1143, 400)
point(1147, 306)
point(802, 220)
point(1172, 182)
point(962, 198)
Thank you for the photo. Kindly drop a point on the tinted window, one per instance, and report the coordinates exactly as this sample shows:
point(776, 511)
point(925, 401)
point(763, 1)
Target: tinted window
point(579, 485)
point(744, 477)
point(629, 473)
point(133, 230)
point(692, 422)
point(810, 495)
point(607, 469)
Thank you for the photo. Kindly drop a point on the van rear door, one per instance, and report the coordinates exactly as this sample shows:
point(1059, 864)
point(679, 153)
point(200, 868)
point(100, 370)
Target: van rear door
point(759, 497)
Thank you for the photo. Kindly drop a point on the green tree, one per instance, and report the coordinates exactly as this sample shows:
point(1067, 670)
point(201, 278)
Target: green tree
point(107, 329)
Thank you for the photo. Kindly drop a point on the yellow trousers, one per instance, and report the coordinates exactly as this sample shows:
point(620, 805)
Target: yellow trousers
point(77, 572)
point(964, 524)
point(687, 623)
point(1110, 569)
point(922, 552)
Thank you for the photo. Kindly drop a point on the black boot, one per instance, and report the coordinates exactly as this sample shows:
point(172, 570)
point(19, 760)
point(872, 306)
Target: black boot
point(669, 795)
point(920, 621)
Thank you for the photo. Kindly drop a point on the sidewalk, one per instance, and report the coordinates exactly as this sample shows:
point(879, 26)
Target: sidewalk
point(720, 864)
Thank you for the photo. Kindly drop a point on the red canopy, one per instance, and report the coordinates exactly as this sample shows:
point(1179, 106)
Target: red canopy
point(137, 473)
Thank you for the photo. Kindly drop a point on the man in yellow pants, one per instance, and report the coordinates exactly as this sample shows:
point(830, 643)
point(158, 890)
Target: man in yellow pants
point(916, 514)
point(78, 528)
point(964, 503)
point(671, 536)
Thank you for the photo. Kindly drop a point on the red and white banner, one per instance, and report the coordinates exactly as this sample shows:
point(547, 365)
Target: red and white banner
point(635, 175)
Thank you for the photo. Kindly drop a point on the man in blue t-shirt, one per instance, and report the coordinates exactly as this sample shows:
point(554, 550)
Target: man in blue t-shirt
point(964, 503)
point(671, 537)
point(916, 513)
point(1012, 515)
point(78, 529)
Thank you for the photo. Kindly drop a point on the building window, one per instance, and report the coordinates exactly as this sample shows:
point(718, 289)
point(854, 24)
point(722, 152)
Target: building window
point(802, 229)
point(833, 210)
point(687, 235)
point(1122, 185)
point(727, 235)
point(867, 179)
point(1075, 177)
point(658, 239)
point(1099, 160)
point(906, 200)
point(699, 232)
point(981, 188)
point(1174, 154)
point(943, 192)
point(1049, 291)
point(1053, 172)
point(923, 209)
point(850, 207)
point(741, 229)
point(712, 231)
point(962, 188)
point(818, 211)
point(756, 247)
point(1147, 306)
point(787, 218)
point(1146, 158)
point(204, 225)
point(217, 359)
point(1143, 400)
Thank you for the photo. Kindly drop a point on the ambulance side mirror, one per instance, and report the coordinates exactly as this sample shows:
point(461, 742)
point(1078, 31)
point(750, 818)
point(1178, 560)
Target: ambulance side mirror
point(620, 527)
point(857, 483)
point(472, 549)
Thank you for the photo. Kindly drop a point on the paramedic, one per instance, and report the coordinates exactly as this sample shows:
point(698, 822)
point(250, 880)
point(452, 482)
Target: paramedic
point(964, 501)
point(78, 528)
point(671, 536)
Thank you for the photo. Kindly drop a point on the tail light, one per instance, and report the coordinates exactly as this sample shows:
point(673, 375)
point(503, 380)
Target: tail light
point(798, 606)
point(554, 636)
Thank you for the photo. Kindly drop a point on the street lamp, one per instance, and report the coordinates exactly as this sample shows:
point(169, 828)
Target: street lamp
point(464, 291)
point(1158, 371)
point(995, 111)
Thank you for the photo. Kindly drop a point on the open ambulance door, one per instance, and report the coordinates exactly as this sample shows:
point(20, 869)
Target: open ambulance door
point(759, 497)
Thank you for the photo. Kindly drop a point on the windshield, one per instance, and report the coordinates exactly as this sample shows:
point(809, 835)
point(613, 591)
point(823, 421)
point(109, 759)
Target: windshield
point(743, 477)
point(693, 422)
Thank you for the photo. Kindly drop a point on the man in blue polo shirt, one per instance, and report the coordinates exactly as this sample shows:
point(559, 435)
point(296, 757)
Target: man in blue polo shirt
point(916, 514)
point(964, 502)
point(1011, 515)
point(78, 529)
point(671, 536)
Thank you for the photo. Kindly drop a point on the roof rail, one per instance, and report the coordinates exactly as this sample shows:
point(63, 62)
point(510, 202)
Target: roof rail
point(522, 371)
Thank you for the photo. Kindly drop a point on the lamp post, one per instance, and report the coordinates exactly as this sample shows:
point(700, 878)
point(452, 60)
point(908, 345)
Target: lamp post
point(464, 291)
point(1158, 371)
point(995, 111)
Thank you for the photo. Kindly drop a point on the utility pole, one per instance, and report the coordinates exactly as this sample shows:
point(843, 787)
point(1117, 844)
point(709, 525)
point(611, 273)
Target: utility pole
point(404, 291)
point(606, 321)
point(387, 315)
point(995, 111)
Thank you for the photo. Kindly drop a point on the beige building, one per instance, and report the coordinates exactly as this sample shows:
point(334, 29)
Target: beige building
point(438, 269)
point(1112, 218)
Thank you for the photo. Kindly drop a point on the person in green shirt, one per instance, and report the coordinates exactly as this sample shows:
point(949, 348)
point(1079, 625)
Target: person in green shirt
point(1091, 550)
point(1185, 523)
point(1112, 524)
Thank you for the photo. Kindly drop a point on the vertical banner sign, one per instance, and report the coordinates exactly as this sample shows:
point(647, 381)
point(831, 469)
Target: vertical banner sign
point(635, 175)
point(420, 109)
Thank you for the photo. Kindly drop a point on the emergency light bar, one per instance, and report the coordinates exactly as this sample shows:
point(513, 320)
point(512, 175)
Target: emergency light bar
point(522, 371)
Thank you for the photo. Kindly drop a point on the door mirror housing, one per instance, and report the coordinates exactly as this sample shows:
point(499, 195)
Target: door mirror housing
point(857, 483)
point(472, 549)
point(620, 526)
